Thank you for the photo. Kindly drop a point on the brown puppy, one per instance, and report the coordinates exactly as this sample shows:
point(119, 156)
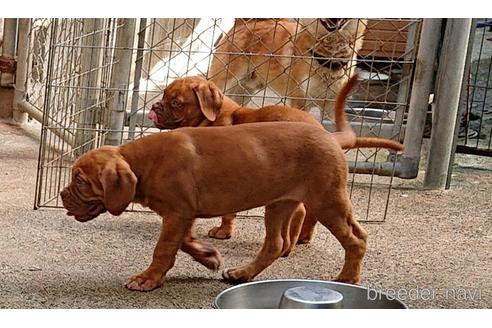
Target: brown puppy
point(194, 101)
point(185, 175)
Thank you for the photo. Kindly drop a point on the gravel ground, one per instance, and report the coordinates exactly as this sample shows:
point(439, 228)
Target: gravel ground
point(434, 245)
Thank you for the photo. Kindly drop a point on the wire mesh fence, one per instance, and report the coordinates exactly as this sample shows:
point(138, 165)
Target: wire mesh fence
point(475, 135)
point(96, 79)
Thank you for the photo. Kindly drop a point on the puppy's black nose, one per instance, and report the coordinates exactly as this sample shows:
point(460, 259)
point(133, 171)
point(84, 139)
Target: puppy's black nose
point(156, 107)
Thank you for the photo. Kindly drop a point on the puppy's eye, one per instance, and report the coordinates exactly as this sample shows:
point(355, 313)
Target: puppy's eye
point(80, 182)
point(175, 103)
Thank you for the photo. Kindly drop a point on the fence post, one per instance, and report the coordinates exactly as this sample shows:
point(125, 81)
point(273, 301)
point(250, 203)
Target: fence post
point(19, 115)
point(120, 79)
point(449, 80)
point(419, 97)
point(461, 109)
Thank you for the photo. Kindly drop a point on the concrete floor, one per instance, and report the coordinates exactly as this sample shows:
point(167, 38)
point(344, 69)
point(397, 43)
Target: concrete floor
point(432, 240)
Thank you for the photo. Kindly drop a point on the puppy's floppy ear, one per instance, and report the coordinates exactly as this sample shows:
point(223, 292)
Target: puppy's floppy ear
point(210, 99)
point(119, 184)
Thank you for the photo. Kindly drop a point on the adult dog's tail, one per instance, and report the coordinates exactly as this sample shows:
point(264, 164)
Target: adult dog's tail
point(344, 133)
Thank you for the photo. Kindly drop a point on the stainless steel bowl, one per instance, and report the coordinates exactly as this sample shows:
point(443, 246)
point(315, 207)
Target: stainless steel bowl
point(267, 294)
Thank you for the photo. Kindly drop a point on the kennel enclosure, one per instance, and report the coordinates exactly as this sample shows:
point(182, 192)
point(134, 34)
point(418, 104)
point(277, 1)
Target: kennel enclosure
point(92, 82)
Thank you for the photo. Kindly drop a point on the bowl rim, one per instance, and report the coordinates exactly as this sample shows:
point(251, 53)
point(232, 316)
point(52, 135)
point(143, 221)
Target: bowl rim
point(215, 303)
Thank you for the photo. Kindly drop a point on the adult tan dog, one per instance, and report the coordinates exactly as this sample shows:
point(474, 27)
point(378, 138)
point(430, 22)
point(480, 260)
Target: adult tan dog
point(185, 175)
point(310, 59)
point(194, 101)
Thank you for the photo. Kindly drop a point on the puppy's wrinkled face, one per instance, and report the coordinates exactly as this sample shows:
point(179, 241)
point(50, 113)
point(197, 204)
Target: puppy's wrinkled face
point(101, 181)
point(82, 197)
point(186, 102)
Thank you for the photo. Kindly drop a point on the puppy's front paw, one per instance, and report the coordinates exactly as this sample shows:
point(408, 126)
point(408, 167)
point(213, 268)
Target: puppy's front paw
point(143, 283)
point(203, 253)
point(348, 280)
point(222, 232)
point(236, 276)
point(209, 256)
point(212, 262)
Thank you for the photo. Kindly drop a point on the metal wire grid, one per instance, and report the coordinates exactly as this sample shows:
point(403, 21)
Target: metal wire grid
point(75, 99)
point(168, 49)
point(369, 191)
point(476, 131)
point(272, 54)
point(78, 79)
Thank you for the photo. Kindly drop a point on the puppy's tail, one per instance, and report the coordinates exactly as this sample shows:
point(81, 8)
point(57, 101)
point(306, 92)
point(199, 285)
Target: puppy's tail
point(344, 134)
point(369, 142)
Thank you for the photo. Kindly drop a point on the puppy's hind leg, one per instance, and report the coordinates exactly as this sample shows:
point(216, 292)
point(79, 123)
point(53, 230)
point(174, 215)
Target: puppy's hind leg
point(337, 216)
point(226, 228)
point(308, 229)
point(275, 216)
point(292, 228)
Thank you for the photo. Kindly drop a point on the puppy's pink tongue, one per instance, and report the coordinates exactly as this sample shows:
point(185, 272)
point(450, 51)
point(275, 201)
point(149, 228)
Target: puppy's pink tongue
point(152, 116)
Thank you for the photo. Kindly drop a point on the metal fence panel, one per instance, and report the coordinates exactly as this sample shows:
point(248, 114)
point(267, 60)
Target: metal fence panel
point(475, 134)
point(75, 61)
